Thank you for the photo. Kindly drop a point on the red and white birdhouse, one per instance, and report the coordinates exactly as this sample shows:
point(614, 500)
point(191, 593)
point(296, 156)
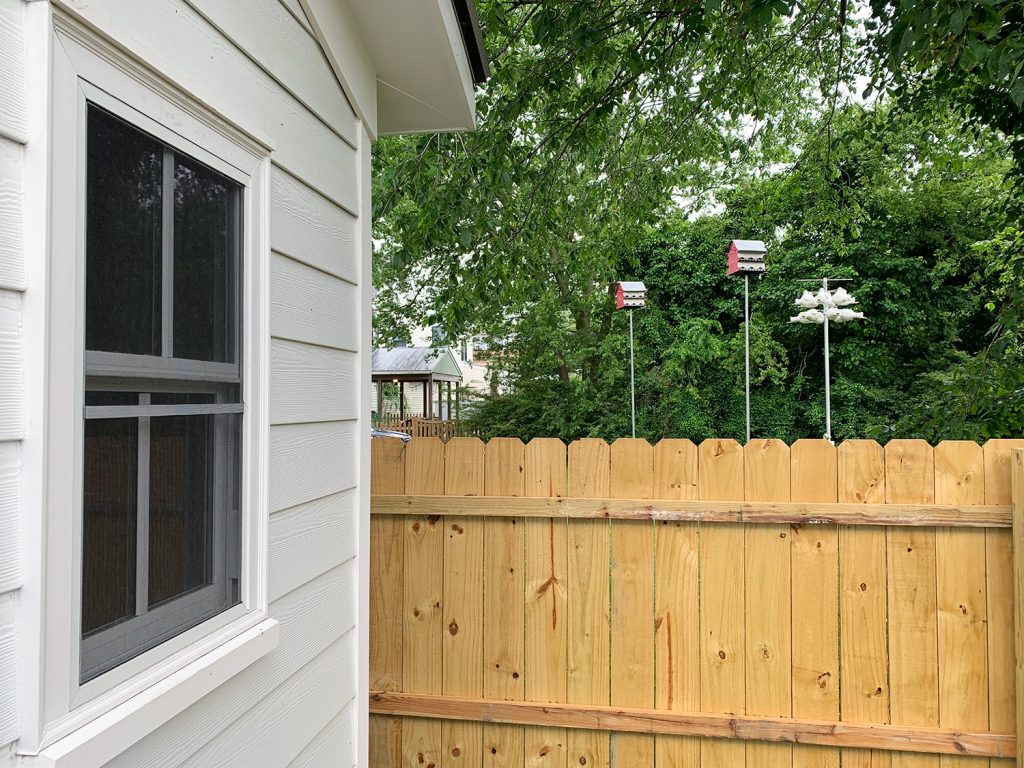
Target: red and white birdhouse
point(630, 295)
point(746, 257)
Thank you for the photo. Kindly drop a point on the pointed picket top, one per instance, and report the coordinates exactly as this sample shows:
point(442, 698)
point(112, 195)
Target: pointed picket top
point(813, 470)
point(720, 470)
point(589, 465)
point(766, 470)
point(424, 466)
point(675, 469)
point(909, 472)
point(632, 469)
point(464, 467)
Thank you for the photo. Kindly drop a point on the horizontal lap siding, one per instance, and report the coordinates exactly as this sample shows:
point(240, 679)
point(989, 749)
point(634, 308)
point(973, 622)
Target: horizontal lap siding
point(8, 681)
point(274, 731)
point(310, 383)
point(310, 539)
point(13, 122)
point(308, 629)
point(230, 82)
point(12, 247)
point(256, 63)
point(333, 746)
point(13, 133)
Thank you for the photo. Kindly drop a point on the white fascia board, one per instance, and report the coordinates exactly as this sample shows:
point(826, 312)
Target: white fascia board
point(403, 63)
point(342, 42)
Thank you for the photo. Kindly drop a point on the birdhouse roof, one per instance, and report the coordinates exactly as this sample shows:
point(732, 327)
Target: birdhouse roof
point(632, 286)
point(755, 246)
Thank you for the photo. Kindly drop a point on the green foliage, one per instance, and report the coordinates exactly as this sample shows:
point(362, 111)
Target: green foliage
point(632, 139)
point(912, 208)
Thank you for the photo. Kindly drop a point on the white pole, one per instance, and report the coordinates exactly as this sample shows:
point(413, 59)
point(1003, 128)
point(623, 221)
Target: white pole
point(632, 380)
point(828, 384)
point(746, 332)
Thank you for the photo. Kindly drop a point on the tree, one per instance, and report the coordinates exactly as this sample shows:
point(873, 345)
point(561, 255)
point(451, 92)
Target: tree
point(611, 123)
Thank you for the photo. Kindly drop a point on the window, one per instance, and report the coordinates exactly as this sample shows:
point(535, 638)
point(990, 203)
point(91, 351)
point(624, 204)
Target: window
point(162, 436)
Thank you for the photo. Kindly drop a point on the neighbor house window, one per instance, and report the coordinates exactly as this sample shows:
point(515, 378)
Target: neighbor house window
point(162, 437)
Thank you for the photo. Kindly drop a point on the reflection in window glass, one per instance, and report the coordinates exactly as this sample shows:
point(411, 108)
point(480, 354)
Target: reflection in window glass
point(108, 525)
point(205, 233)
point(123, 237)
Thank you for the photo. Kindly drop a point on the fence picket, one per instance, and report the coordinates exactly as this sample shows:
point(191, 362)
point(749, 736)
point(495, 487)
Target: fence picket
point(504, 599)
point(815, 566)
point(913, 637)
point(632, 599)
point(768, 590)
point(676, 623)
point(723, 678)
point(961, 598)
point(422, 594)
point(864, 602)
point(462, 634)
point(546, 580)
point(588, 680)
point(387, 475)
point(999, 584)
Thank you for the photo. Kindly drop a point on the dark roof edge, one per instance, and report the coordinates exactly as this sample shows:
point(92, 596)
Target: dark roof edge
point(473, 39)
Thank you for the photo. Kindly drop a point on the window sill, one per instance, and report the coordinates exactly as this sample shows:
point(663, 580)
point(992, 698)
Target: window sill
point(102, 739)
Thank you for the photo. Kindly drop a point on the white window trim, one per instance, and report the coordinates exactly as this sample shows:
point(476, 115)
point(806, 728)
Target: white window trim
point(65, 723)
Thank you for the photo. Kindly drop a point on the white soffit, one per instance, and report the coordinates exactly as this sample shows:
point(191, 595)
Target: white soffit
point(424, 82)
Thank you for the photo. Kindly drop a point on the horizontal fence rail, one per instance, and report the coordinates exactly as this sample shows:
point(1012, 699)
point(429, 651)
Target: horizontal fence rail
point(658, 721)
point(797, 513)
point(593, 605)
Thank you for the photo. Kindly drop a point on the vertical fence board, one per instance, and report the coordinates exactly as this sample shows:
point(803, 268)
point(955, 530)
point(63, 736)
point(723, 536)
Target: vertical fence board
point(504, 600)
point(768, 649)
point(723, 678)
point(1000, 590)
point(462, 635)
point(815, 567)
point(632, 599)
point(387, 576)
point(864, 607)
point(717, 617)
point(677, 620)
point(588, 680)
point(961, 598)
point(1017, 494)
point(913, 638)
point(423, 589)
point(546, 611)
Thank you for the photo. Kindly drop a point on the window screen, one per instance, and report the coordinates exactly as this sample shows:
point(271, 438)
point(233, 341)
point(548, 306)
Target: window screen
point(163, 414)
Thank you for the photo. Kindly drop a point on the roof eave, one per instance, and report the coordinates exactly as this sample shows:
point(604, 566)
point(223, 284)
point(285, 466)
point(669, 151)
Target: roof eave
point(473, 39)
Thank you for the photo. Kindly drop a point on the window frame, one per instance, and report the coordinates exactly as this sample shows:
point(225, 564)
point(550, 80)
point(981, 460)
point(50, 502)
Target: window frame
point(85, 68)
point(108, 647)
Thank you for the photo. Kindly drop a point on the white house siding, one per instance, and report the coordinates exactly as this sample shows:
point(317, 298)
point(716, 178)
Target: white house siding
point(257, 63)
point(13, 133)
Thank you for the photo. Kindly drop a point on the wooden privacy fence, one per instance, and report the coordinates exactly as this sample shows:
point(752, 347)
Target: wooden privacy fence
point(716, 605)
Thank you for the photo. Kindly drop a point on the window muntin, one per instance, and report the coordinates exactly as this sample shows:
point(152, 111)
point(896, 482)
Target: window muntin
point(163, 413)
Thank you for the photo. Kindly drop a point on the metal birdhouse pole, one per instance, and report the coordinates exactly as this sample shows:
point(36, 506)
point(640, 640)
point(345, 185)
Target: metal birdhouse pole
point(746, 257)
point(630, 295)
point(632, 377)
point(820, 309)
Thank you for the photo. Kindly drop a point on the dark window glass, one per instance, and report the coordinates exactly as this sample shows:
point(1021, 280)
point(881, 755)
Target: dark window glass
point(108, 526)
point(205, 238)
point(103, 397)
point(123, 237)
point(180, 501)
